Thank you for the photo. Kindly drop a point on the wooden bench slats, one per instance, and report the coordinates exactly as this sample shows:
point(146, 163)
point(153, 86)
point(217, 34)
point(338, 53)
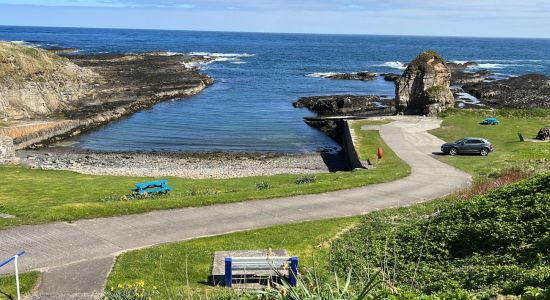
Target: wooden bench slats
point(273, 265)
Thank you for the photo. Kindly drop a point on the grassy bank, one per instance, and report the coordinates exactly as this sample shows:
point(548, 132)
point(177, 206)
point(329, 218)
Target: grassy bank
point(509, 151)
point(492, 244)
point(39, 196)
point(179, 268)
point(27, 282)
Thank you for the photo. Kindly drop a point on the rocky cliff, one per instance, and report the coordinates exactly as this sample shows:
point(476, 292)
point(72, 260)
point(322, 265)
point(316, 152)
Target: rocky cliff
point(46, 97)
point(423, 88)
point(35, 82)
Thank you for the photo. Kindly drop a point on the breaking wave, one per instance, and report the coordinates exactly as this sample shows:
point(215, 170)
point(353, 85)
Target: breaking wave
point(393, 65)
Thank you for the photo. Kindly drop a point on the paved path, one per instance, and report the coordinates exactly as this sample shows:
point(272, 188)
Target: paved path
point(76, 257)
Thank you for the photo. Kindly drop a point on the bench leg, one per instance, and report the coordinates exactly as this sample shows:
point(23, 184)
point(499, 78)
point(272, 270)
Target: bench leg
point(228, 272)
point(292, 276)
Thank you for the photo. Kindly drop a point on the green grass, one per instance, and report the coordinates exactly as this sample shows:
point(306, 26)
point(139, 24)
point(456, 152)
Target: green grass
point(40, 196)
point(166, 266)
point(369, 141)
point(27, 282)
point(509, 151)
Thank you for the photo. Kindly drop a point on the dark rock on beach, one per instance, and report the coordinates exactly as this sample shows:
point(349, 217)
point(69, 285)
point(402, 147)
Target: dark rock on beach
point(338, 105)
point(527, 91)
point(424, 87)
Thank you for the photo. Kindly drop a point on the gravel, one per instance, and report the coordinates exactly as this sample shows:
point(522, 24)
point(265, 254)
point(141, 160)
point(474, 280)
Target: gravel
point(197, 166)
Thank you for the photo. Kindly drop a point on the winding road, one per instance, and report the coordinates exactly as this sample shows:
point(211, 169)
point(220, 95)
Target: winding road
point(75, 258)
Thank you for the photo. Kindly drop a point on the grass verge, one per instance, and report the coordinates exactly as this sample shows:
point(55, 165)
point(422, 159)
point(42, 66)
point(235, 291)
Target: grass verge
point(7, 284)
point(509, 151)
point(165, 267)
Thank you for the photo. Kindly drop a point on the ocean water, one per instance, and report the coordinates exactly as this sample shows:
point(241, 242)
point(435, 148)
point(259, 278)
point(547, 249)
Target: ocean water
point(258, 76)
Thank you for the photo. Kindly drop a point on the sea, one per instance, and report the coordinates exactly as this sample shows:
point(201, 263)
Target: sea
point(257, 78)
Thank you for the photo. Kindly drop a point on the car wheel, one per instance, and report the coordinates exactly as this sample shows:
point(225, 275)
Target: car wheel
point(484, 152)
point(453, 151)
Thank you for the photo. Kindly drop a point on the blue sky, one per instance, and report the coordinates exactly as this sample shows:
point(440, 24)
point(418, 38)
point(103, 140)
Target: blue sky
point(491, 18)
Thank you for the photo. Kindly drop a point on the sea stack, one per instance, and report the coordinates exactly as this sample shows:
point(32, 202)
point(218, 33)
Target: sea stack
point(423, 89)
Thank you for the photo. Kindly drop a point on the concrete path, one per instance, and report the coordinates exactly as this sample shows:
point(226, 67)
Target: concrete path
point(76, 257)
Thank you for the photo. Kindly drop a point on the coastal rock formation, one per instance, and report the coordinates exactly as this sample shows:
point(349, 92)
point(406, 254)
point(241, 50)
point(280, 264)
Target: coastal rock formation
point(7, 150)
point(338, 105)
point(365, 76)
point(424, 87)
point(527, 91)
point(85, 91)
point(35, 82)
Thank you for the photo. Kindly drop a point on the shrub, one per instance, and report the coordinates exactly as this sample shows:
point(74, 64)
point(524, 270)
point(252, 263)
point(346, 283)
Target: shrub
point(311, 286)
point(306, 179)
point(136, 291)
point(260, 186)
point(494, 243)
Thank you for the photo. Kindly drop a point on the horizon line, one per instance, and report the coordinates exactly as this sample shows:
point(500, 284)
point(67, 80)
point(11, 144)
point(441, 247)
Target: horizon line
point(275, 32)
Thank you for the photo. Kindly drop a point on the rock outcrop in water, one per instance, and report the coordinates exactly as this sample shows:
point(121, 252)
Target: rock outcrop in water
point(339, 105)
point(364, 76)
point(391, 77)
point(423, 89)
point(526, 91)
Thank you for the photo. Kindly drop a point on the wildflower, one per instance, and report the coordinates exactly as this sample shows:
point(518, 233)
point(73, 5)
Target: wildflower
point(141, 283)
point(283, 291)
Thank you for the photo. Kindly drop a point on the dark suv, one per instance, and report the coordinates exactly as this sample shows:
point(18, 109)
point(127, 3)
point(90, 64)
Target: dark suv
point(468, 145)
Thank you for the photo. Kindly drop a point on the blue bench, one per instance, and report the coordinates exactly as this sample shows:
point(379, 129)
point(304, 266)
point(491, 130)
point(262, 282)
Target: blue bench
point(152, 187)
point(490, 121)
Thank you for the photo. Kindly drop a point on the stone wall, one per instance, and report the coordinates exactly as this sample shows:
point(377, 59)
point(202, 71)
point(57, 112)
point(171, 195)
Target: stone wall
point(352, 157)
point(7, 150)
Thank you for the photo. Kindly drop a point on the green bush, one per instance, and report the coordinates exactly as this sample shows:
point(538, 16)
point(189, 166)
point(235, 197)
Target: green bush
point(306, 179)
point(494, 243)
point(260, 186)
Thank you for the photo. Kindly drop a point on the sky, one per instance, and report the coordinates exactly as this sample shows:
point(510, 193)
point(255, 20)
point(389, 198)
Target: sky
point(486, 18)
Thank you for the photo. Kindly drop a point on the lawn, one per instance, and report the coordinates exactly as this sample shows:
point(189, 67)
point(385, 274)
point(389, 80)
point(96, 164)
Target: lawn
point(509, 151)
point(40, 196)
point(7, 284)
point(172, 268)
point(460, 258)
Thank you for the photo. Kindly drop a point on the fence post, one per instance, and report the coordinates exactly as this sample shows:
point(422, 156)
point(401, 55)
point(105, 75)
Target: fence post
point(228, 272)
point(293, 270)
point(17, 278)
point(14, 259)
